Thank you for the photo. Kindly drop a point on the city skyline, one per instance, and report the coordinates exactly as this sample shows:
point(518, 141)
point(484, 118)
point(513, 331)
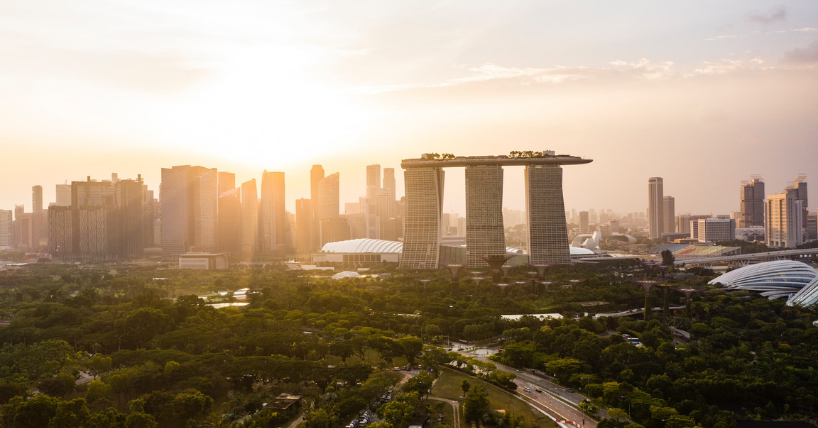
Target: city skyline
point(134, 88)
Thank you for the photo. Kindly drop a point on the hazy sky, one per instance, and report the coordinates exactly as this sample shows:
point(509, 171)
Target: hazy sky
point(701, 93)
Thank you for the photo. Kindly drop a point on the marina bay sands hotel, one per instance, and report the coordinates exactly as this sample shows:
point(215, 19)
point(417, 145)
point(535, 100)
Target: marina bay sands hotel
point(544, 206)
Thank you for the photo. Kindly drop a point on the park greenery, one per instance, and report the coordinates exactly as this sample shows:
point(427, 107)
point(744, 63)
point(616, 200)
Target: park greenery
point(136, 346)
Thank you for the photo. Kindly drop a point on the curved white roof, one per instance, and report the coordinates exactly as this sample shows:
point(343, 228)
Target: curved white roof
point(577, 251)
point(777, 279)
point(363, 246)
point(805, 297)
point(346, 274)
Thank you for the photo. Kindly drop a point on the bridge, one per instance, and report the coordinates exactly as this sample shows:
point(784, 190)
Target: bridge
point(738, 260)
point(634, 312)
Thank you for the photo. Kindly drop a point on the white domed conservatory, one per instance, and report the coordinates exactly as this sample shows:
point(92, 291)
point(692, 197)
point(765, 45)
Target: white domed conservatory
point(807, 297)
point(774, 280)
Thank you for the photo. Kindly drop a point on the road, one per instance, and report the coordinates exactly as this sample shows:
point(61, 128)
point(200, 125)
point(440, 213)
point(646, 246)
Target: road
point(455, 409)
point(555, 399)
point(552, 405)
point(544, 384)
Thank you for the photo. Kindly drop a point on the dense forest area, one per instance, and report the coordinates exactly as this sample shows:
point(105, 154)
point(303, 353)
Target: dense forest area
point(136, 346)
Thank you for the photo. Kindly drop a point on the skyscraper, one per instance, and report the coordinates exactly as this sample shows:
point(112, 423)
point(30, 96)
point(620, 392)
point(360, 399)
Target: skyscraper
point(800, 187)
point(485, 235)
point(316, 175)
point(373, 180)
point(669, 214)
point(303, 227)
point(176, 200)
point(273, 228)
point(752, 203)
point(249, 217)
point(130, 202)
point(95, 224)
point(205, 211)
point(784, 222)
point(63, 195)
point(6, 230)
point(227, 182)
point(39, 219)
point(328, 191)
point(230, 226)
point(656, 216)
point(37, 199)
point(389, 181)
point(583, 222)
point(545, 215)
point(424, 204)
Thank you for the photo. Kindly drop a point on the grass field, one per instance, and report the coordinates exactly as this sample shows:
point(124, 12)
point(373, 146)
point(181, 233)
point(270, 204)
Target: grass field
point(448, 386)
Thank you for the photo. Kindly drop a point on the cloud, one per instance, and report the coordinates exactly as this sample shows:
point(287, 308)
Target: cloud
point(493, 73)
point(774, 15)
point(807, 55)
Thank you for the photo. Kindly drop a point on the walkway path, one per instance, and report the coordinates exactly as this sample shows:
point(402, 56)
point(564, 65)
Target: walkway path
point(455, 409)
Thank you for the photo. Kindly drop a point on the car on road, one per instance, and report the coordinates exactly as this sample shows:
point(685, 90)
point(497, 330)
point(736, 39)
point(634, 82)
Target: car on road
point(538, 389)
point(570, 390)
point(527, 389)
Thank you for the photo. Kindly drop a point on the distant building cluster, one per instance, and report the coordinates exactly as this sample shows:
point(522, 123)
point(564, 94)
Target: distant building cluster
point(201, 210)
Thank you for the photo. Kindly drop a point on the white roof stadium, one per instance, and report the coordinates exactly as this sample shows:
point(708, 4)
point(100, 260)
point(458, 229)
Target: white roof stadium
point(377, 246)
point(774, 280)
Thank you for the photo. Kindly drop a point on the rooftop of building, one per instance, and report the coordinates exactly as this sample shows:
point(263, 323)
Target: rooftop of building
point(516, 158)
point(363, 246)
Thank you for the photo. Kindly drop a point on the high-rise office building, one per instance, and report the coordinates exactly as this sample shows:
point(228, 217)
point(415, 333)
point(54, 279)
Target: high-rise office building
point(95, 224)
point(63, 195)
point(274, 224)
point(583, 222)
point(6, 230)
point(389, 181)
point(373, 180)
point(130, 203)
point(352, 207)
point(39, 218)
point(669, 214)
point(176, 200)
point(656, 216)
point(683, 223)
point(328, 195)
point(752, 203)
point(227, 182)
point(230, 221)
point(614, 224)
point(205, 211)
point(37, 199)
point(331, 226)
point(800, 188)
point(249, 217)
point(485, 235)
point(716, 230)
point(316, 175)
point(812, 226)
point(152, 231)
point(60, 231)
point(784, 222)
point(304, 223)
